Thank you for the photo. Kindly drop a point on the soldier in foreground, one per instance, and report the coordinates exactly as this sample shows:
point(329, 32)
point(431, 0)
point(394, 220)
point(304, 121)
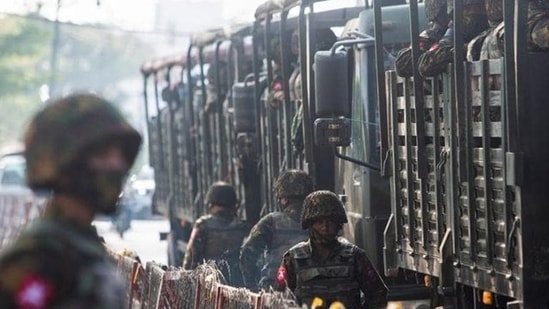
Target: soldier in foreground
point(276, 232)
point(81, 148)
point(327, 266)
point(218, 235)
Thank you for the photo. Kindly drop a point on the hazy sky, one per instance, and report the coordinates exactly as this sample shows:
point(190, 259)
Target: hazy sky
point(128, 14)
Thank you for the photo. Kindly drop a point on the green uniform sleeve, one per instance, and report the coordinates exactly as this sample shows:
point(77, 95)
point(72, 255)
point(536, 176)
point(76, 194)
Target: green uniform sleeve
point(370, 282)
point(253, 248)
point(195, 247)
point(286, 276)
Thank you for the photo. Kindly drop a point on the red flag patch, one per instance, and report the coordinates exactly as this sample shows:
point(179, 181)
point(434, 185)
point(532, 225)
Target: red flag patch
point(281, 278)
point(194, 233)
point(34, 293)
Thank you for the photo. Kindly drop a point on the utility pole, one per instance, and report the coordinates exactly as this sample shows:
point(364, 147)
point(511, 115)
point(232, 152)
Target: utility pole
point(54, 53)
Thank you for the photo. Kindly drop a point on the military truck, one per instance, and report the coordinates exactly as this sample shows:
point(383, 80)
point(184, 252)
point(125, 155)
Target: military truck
point(190, 126)
point(462, 154)
point(442, 177)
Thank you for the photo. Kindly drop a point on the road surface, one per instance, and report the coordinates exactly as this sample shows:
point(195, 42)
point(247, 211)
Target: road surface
point(143, 237)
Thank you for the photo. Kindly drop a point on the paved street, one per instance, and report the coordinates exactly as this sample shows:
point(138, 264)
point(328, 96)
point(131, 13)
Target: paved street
point(143, 237)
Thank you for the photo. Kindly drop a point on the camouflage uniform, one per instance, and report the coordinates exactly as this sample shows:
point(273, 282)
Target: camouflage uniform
point(218, 236)
point(59, 260)
point(340, 276)
point(436, 59)
point(276, 232)
point(538, 29)
point(491, 40)
point(436, 13)
point(275, 92)
point(538, 25)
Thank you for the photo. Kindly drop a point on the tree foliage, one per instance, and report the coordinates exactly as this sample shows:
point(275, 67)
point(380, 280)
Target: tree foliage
point(22, 54)
point(91, 58)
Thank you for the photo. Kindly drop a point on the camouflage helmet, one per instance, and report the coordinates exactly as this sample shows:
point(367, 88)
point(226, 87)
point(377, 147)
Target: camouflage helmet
point(467, 4)
point(221, 193)
point(325, 38)
point(65, 129)
point(435, 10)
point(322, 203)
point(293, 183)
point(494, 9)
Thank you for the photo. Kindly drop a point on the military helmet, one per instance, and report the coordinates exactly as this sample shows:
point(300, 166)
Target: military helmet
point(293, 183)
point(221, 193)
point(494, 9)
point(466, 4)
point(67, 128)
point(322, 203)
point(435, 10)
point(325, 38)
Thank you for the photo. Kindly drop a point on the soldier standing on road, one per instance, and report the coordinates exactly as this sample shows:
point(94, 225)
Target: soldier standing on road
point(81, 148)
point(328, 266)
point(276, 232)
point(218, 235)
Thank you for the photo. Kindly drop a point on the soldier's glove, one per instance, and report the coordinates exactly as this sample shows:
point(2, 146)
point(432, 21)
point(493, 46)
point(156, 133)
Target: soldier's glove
point(432, 34)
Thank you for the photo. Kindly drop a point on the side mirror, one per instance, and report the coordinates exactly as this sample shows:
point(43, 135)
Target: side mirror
point(333, 131)
point(244, 107)
point(332, 104)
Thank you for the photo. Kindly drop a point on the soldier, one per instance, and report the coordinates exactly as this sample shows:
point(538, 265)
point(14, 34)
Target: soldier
point(538, 29)
point(275, 92)
point(214, 92)
point(538, 25)
point(437, 15)
point(80, 148)
point(490, 40)
point(218, 235)
point(276, 232)
point(435, 60)
point(328, 266)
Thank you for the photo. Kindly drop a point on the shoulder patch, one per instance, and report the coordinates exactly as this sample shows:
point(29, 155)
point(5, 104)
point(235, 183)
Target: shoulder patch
point(34, 292)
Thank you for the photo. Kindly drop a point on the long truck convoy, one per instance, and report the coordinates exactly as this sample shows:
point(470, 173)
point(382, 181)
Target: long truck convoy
point(443, 178)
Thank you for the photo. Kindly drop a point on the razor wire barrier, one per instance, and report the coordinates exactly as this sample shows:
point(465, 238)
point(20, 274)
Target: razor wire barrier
point(165, 287)
point(17, 209)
